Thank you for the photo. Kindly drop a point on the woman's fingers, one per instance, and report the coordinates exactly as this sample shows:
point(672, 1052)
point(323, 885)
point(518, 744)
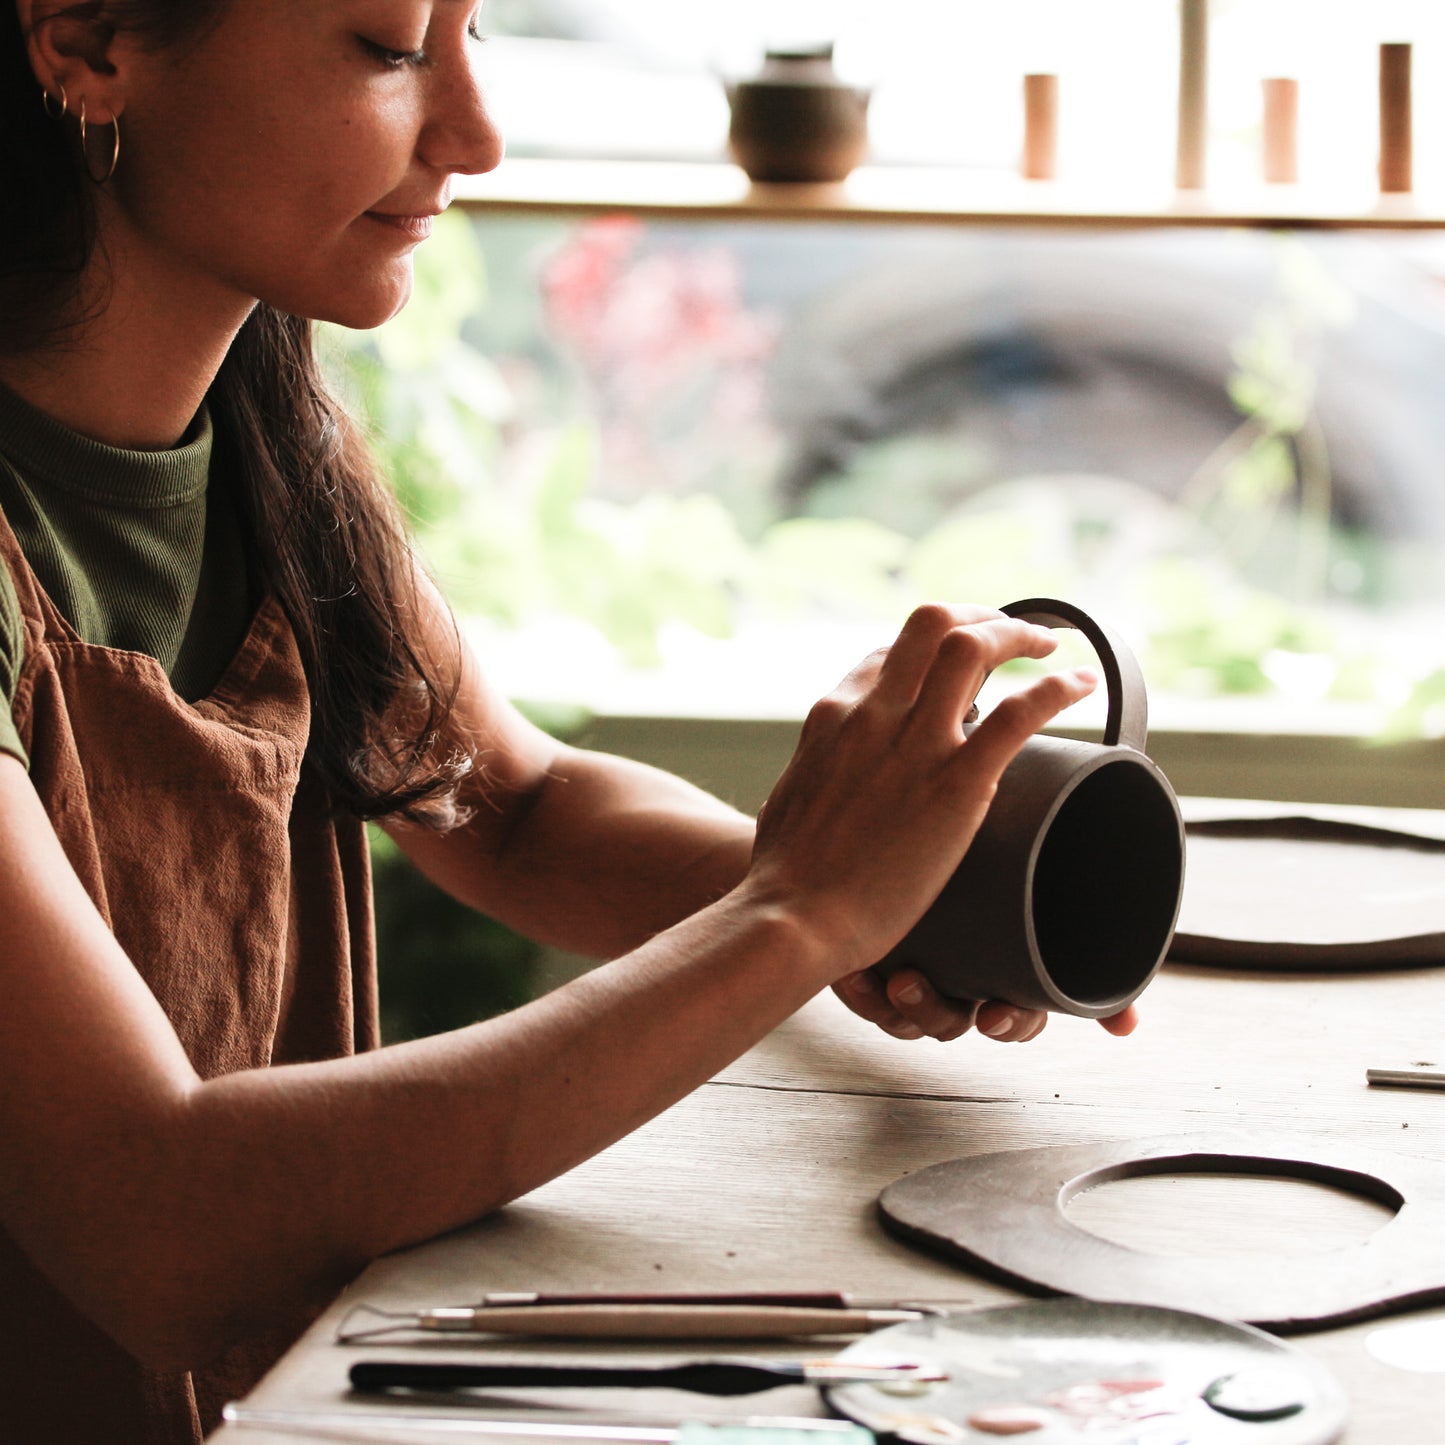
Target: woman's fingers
point(997, 739)
point(884, 792)
point(865, 994)
point(917, 1001)
point(944, 654)
point(909, 1007)
point(906, 1005)
point(934, 669)
point(1008, 1023)
point(962, 662)
point(1121, 1024)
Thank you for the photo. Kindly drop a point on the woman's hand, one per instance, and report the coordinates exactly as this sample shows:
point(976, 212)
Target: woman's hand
point(907, 1006)
point(885, 793)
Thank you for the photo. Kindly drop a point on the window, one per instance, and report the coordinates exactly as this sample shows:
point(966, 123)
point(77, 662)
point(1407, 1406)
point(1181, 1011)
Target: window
point(645, 78)
point(742, 450)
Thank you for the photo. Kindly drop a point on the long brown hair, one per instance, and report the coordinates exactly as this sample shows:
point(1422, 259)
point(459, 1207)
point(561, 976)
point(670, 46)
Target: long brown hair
point(325, 531)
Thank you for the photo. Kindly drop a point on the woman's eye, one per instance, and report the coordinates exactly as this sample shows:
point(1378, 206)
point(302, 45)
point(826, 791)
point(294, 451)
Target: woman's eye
point(389, 57)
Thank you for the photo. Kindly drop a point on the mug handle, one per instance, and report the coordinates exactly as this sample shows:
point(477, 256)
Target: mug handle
point(1127, 720)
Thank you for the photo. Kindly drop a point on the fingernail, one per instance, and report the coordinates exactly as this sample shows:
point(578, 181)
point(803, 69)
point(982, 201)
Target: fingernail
point(908, 1031)
point(1088, 675)
point(910, 993)
point(1002, 1025)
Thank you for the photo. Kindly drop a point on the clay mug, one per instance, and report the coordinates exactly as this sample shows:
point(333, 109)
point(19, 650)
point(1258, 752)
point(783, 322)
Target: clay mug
point(796, 120)
point(1069, 894)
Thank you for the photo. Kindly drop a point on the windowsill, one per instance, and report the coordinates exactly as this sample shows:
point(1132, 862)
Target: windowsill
point(703, 190)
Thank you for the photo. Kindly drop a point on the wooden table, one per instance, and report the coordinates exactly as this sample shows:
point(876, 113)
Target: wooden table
point(767, 1177)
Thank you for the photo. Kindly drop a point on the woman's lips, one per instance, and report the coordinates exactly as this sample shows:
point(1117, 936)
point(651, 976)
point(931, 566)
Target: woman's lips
point(414, 228)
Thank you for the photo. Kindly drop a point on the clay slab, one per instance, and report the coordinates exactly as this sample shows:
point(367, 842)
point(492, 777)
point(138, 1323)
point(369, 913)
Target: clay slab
point(1003, 1214)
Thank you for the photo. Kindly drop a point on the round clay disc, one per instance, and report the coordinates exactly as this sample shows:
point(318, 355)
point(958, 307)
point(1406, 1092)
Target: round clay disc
point(1308, 894)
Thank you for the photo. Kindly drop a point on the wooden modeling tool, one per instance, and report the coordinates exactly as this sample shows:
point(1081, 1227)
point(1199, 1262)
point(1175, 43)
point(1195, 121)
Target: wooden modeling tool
point(594, 1320)
point(818, 1299)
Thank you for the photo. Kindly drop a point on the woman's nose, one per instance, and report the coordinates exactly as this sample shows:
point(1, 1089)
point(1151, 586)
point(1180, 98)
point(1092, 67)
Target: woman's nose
point(460, 135)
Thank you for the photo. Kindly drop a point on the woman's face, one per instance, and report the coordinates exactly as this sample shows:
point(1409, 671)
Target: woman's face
point(296, 151)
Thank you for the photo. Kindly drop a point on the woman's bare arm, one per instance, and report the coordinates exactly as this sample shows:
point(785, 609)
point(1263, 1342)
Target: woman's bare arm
point(596, 853)
point(582, 850)
point(181, 1214)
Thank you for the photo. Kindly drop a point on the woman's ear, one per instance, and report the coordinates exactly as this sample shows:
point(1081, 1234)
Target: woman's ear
point(71, 51)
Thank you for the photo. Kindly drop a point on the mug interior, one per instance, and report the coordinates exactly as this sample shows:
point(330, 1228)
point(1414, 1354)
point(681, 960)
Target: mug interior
point(1106, 884)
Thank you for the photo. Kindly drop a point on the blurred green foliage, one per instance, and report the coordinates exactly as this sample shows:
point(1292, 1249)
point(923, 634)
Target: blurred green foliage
point(441, 965)
point(505, 509)
point(514, 532)
point(507, 512)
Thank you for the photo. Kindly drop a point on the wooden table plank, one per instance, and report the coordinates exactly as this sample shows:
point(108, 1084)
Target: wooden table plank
point(768, 1177)
point(758, 1181)
point(1281, 1050)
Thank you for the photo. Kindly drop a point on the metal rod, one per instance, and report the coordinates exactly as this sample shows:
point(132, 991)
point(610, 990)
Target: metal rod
point(587, 1321)
point(1414, 1076)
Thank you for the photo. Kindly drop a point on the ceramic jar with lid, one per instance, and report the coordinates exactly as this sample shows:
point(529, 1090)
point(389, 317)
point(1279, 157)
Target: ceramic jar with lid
point(796, 120)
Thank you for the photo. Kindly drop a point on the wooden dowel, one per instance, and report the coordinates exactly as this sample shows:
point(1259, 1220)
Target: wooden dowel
point(1041, 127)
point(1281, 130)
point(1193, 93)
point(1396, 160)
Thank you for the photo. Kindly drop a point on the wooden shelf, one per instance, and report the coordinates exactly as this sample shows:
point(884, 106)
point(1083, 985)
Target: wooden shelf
point(885, 194)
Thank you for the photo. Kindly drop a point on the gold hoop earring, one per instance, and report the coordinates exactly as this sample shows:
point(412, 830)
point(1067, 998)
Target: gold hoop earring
point(47, 101)
point(114, 149)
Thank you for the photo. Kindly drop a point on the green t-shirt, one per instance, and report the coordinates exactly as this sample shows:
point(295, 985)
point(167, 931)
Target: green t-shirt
point(140, 550)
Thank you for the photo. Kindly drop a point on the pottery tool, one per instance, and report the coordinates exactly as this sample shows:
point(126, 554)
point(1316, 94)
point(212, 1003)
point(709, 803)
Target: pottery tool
point(702, 1377)
point(601, 1321)
point(822, 1299)
point(1081, 1372)
point(784, 1430)
point(1421, 1075)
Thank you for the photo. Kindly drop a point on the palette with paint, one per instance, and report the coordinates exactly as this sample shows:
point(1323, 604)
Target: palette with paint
point(1081, 1372)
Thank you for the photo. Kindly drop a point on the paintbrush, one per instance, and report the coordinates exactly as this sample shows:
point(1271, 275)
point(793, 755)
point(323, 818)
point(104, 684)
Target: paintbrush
point(704, 1377)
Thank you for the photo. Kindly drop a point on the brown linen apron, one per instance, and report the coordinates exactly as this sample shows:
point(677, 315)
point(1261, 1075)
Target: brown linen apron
point(209, 849)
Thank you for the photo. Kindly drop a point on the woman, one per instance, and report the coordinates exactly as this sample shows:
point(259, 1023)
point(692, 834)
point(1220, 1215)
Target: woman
point(218, 658)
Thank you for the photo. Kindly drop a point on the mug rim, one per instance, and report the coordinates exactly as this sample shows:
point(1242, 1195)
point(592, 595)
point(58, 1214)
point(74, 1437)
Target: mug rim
point(1102, 755)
